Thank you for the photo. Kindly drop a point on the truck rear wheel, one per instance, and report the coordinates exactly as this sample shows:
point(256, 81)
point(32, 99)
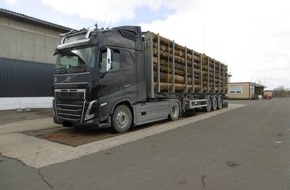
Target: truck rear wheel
point(219, 102)
point(174, 111)
point(122, 119)
point(208, 106)
point(214, 103)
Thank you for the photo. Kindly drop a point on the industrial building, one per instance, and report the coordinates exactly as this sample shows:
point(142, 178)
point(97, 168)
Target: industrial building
point(245, 90)
point(26, 60)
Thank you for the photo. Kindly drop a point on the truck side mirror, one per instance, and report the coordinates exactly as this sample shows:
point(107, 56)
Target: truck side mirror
point(109, 59)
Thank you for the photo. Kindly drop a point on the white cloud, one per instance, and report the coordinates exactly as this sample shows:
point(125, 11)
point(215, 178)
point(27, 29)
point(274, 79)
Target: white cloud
point(252, 37)
point(11, 2)
point(111, 10)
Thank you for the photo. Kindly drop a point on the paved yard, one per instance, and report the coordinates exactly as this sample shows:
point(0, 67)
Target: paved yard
point(245, 148)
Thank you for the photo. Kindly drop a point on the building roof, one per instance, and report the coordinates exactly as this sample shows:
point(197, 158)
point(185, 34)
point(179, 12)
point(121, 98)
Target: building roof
point(259, 85)
point(32, 20)
point(250, 83)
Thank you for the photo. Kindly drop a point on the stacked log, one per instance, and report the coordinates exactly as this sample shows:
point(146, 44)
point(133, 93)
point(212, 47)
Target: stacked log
point(179, 69)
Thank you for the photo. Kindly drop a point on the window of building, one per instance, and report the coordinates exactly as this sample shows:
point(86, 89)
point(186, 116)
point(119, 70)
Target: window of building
point(236, 89)
point(252, 91)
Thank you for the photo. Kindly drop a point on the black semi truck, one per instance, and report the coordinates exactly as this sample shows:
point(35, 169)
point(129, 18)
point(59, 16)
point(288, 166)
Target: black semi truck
point(123, 77)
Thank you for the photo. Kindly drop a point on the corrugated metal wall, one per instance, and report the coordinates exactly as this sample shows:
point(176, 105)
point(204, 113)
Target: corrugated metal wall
point(25, 79)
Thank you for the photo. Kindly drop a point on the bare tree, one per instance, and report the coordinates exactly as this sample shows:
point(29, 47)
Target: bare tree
point(280, 92)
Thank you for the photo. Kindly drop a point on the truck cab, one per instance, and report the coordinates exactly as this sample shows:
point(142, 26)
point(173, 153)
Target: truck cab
point(95, 71)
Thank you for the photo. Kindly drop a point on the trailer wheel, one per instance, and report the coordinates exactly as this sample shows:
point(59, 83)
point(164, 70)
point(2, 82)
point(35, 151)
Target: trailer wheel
point(214, 103)
point(122, 119)
point(174, 111)
point(219, 102)
point(208, 106)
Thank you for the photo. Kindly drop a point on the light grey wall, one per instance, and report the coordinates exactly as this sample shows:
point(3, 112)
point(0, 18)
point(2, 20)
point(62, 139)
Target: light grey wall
point(24, 41)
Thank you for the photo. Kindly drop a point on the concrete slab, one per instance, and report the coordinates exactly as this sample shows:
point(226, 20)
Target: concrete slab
point(39, 153)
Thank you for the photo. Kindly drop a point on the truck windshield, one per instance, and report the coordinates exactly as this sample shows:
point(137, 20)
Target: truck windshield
point(76, 58)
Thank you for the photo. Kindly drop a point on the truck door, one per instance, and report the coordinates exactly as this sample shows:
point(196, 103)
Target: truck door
point(111, 81)
point(130, 74)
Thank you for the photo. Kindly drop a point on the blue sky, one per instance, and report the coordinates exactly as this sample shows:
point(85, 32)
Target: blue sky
point(251, 36)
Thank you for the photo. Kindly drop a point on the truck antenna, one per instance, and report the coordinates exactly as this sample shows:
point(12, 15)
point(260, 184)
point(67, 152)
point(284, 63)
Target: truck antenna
point(104, 24)
point(109, 24)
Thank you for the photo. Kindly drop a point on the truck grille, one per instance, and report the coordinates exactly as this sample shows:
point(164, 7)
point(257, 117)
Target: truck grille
point(70, 104)
point(71, 111)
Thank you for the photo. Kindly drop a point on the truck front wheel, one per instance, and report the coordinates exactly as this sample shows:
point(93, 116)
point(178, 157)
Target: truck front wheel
point(174, 111)
point(122, 119)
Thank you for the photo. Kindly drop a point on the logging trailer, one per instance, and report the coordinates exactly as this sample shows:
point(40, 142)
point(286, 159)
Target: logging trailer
point(122, 77)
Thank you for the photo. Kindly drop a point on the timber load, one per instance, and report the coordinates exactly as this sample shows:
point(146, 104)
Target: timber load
point(178, 69)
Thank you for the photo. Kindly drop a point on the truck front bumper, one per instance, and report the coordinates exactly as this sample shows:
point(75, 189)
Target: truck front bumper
point(75, 112)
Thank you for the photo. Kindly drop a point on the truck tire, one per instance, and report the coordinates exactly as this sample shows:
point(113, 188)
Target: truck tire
point(122, 119)
point(214, 103)
point(208, 106)
point(174, 111)
point(219, 102)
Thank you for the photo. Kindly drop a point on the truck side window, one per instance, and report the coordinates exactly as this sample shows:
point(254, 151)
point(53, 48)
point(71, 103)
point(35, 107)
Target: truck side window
point(115, 60)
point(103, 61)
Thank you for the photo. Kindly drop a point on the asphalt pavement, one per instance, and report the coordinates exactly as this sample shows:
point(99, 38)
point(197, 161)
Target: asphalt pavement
point(245, 148)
